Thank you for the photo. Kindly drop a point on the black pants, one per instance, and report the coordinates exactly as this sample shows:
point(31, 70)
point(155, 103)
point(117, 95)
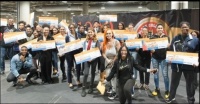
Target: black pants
point(32, 71)
point(145, 63)
point(190, 88)
point(70, 63)
point(125, 90)
point(45, 62)
point(101, 63)
point(87, 65)
point(62, 64)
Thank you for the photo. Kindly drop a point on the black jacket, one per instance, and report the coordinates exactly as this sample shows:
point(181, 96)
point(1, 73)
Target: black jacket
point(160, 54)
point(47, 52)
point(144, 55)
point(131, 63)
point(189, 44)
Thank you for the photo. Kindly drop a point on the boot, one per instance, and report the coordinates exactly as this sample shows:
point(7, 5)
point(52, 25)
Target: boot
point(83, 94)
point(90, 89)
point(64, 79)
point(64, 74)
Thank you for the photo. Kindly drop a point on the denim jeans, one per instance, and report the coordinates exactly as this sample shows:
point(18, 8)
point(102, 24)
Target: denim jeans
point(164, 68)
point(134, 54)
point(55, 60)
point(2, 58)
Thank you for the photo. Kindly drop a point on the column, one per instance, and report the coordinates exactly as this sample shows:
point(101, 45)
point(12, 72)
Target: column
point(85, 7)
point(23, 11)
point(162, 5)
point(174, 4)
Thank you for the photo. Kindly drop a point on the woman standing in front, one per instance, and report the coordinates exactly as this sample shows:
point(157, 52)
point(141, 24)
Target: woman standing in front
point(110, 49)
point(123, 67)
point(91, 42)
point(45, 57)
point(158, 57)
point(72, 36)
point(62, 58)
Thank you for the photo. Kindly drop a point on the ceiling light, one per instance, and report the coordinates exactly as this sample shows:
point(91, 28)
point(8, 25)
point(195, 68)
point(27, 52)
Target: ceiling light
point(111, 2)
point(140, 6)
point(72, 13)
point(68, 8)
point(64, 1)
point(103, 7)
point(49, 13)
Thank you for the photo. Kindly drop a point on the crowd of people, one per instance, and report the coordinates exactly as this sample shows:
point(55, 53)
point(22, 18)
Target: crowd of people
point(118, 65)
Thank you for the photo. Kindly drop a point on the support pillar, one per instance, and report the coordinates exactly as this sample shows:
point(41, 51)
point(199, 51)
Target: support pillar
point(85, 7)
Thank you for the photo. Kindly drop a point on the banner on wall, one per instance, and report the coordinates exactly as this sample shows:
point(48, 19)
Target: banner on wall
point(3, 22)
point(87, 20)
point(109, 18)
point(170, 19)
point(48, 20)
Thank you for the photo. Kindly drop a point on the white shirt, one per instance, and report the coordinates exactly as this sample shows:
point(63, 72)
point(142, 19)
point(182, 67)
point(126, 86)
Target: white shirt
point(71, 37)
point(30, 38)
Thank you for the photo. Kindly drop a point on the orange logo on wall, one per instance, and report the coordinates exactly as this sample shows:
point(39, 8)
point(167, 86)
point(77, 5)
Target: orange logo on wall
point(151, 23)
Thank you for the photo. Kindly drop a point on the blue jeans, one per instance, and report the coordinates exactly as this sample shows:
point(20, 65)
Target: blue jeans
point(134, 54)
point(55, 60)
point(2, 58)
point(164, 68)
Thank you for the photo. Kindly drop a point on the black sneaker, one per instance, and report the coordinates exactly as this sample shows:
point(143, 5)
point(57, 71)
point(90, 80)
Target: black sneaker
point(109, 90)
point(14, 84)
point(112, 96)
point(170, 101)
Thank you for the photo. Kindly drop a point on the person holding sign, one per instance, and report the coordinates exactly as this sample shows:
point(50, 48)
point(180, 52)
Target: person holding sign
point(90, 42)
point(21, 63)
point(71, 36)
point(158, 57)
point(62, 58)
point(45, 57)
point(145, 61)
point(184, 42)
point(123, 68)
point(54, 53)
point(110, 49)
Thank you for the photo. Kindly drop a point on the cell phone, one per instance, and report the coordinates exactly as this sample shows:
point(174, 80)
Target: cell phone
point(155, 71)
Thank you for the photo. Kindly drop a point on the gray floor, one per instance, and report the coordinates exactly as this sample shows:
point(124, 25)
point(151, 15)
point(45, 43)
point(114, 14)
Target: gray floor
point(61, 93)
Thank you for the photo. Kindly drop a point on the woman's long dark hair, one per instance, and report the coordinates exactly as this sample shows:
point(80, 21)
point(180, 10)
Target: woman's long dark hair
point(128, 53)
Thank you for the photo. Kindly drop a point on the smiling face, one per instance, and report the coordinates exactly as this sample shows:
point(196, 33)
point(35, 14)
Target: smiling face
point(109, 34)
point(90, 34)
point(46, 31)
point(35, 33)
point(159, 29)
point(123, 53)
point(185, 29)
point(62, 30)
point(120, 26)
point(55, 31)
point(24, 51)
